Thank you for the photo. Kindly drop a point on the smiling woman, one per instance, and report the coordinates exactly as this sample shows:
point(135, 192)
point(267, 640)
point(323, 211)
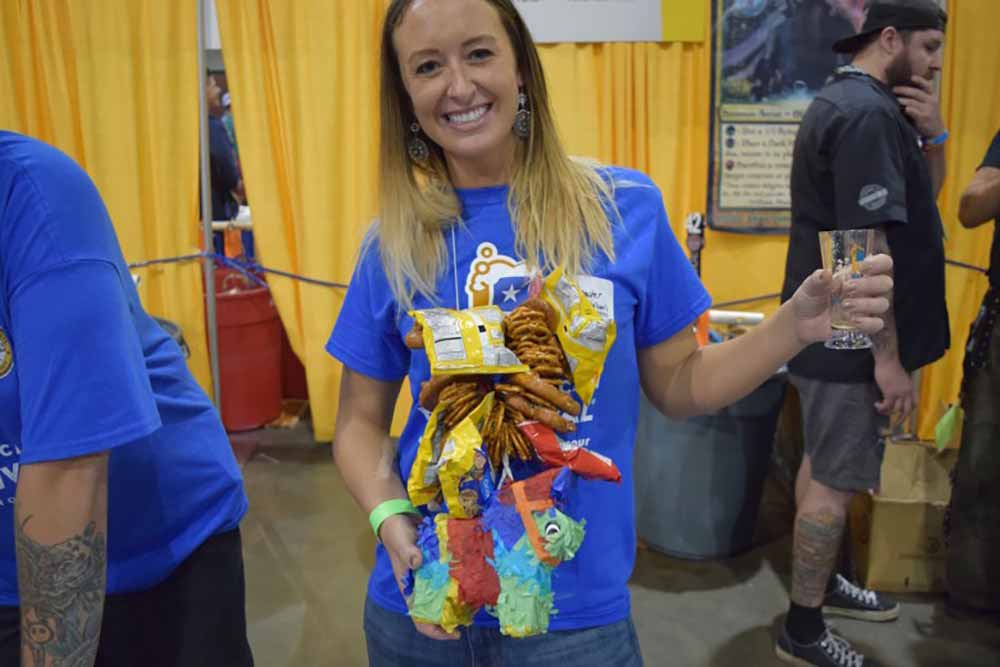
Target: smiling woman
point(455, 72)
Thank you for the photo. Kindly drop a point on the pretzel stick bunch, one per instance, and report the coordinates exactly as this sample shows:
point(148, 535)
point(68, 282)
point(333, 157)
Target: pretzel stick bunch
point(536, 395)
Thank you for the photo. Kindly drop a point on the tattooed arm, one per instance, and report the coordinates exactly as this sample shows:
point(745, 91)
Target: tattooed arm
point(62, 516)
point(895, 383)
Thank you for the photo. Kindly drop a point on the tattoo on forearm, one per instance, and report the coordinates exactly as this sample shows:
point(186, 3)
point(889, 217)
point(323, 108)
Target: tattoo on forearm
point(817, 543)
point(61, 587)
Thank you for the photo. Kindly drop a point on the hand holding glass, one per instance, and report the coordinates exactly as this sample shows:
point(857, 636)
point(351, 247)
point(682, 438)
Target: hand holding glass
point(843, 251)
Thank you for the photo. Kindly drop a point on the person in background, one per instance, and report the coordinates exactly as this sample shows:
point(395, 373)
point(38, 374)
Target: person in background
point(227, 120)
point(472, 172)
point(225, 172)
point(120, 496)
point(869, 154)
point(974, 526)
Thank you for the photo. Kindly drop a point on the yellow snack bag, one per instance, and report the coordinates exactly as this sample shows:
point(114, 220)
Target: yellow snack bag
point(586, 336)
point(452, 463)
point(464, 469)
point(423, 486)
point(469, 341)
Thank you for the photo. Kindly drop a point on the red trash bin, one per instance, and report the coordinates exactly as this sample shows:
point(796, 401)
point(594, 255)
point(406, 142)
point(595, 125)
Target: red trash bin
point(250, 362)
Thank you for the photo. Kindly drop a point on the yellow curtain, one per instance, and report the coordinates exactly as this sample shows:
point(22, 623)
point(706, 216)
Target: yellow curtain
point(971, 104)
point(641, 105)
point(304, 85)
point(114, 84)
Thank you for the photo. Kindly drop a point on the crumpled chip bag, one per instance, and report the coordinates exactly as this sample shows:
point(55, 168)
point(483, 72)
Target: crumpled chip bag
point(463, 342)
point(453, 464)
point(586, 336)
point(558, 453)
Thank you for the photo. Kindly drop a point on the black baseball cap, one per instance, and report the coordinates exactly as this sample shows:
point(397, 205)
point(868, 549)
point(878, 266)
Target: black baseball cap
point(898, 14)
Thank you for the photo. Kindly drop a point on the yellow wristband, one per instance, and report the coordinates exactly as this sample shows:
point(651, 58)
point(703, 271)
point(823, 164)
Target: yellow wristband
point(388, 508)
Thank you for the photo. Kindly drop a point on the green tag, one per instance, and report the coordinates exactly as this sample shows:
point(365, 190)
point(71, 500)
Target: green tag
point(946, 427)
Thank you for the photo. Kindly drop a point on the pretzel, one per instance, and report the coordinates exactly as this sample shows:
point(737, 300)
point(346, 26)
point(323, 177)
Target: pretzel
point(508, 388)
point(458, 389)
point(463, 402)
point(541, 402)
point(525, 318)
point(534, 360)
point(550, 418)
point(415, 337)
point(529, 328)
point(524, 315)
point(545, 308)
point(508, 441)
point(494, 422)
point(430, 390)
point(518, 443)
point(525, 446)
point(542, 389)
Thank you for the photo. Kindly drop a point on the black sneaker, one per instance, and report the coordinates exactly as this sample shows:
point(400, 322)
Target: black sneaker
point(829, 651)
point(852, 601)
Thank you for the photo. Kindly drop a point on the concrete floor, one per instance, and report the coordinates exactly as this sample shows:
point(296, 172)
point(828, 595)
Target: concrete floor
point(309, 549)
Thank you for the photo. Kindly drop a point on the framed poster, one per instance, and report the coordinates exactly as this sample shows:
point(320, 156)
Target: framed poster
point(769, 58)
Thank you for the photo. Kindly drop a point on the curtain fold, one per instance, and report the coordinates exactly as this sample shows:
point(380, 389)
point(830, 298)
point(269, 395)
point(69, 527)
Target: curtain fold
point(303, 80)
point(114, 84)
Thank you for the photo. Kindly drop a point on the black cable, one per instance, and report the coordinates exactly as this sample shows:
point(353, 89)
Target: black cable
point(970, 267)
point(728, 304)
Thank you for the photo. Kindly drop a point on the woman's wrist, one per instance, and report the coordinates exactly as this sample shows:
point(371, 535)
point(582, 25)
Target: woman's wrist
point(389, 508)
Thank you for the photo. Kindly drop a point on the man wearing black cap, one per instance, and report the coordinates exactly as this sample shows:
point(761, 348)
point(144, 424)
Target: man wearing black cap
point(868, 155)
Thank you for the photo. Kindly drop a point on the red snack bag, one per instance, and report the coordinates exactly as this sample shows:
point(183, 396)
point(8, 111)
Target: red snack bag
point(580, 460)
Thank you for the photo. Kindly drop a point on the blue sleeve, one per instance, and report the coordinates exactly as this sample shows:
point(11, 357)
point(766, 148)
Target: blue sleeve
point(673, 295)
point(81, 372)
point(365, 337)
point(992, 158)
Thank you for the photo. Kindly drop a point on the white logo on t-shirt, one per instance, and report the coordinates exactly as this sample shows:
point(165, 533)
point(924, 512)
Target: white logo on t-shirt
point(6, 355)
point(873, 197)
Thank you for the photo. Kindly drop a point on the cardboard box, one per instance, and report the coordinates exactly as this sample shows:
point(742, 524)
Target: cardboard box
point(898, 533)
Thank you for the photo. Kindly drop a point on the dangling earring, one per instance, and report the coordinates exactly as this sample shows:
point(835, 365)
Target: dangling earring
point(522, 119)
point(417, 147)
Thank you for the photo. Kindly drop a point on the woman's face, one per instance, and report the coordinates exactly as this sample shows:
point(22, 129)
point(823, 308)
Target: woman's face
point(460, 72)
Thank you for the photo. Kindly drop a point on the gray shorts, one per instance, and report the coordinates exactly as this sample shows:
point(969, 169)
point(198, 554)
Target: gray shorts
point(844, 433)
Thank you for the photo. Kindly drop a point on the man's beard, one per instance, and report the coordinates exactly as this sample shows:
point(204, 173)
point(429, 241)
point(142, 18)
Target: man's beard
point(899, 72)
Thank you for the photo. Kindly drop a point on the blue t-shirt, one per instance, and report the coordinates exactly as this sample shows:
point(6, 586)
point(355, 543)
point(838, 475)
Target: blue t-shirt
point(84, 369)
point(653, 293)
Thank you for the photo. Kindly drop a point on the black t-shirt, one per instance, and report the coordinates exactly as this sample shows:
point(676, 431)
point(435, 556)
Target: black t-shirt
point(858, 163)
point(992, 159)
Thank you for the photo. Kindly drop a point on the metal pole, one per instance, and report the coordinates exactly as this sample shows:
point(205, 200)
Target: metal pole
point(206, 210)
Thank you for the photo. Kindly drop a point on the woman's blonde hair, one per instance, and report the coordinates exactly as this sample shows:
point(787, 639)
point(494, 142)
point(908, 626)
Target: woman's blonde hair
point(559, 206)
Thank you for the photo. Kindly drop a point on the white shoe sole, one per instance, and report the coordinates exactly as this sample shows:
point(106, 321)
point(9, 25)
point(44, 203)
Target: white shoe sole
point(790, 659)
point(858, 615)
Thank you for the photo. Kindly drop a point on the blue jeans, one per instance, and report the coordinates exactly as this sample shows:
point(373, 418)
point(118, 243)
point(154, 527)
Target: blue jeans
point(394, 642)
